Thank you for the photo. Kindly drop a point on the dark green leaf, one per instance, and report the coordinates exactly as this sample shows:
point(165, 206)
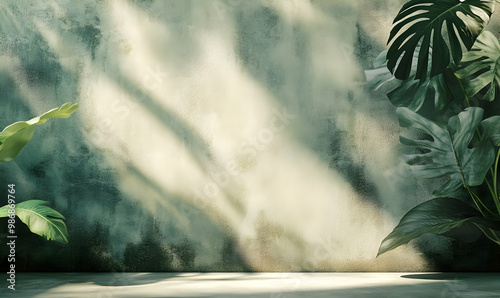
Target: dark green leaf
point(436, 216)
point(467, 232)
point(40, 219)
point(15, 136)
point(443, 25)
point(448, 153)
point(480, 67)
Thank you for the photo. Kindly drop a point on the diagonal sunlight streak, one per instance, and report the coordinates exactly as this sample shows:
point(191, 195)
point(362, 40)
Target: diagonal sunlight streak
point(116, 107)
point(197, 128)
point(256, 196)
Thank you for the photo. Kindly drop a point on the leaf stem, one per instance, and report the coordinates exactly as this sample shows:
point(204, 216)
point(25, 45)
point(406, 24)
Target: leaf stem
point(495, 234)
point(461, 87)
point(472, 195)
point(477, 132)
point(474, 198)
point(494, 190)
point(486, 231)
point(495, 183)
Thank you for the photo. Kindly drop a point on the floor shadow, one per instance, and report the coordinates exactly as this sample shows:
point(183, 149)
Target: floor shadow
point(200, 285)
point(33, 281)
point(453, 276)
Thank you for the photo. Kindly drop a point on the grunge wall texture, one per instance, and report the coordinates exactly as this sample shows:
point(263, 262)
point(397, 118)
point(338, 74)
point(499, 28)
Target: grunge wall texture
point(216, 135)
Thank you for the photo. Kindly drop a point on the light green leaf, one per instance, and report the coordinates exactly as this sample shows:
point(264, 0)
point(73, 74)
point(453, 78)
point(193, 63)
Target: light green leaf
point(448, 153)
point(436, 216)
point(15, 136)
point(412, 93)
point(480, 67)
point(491, 129)
point(40, 219)
point(380, 74)
point(443, 25)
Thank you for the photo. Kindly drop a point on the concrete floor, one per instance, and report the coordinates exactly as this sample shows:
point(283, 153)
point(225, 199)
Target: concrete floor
point(269, 285)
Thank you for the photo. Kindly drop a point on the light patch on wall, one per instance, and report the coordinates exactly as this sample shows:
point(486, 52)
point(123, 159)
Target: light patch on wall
point(197, 139)
point(299, 11)
point(324, 223)
point(282, 202)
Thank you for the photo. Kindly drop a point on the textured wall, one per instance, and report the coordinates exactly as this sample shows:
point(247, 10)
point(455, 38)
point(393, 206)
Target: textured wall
point(211, 135)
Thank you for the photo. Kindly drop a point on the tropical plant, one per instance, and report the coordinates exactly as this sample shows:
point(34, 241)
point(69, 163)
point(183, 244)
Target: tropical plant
point(40, 219)
point(439, 51)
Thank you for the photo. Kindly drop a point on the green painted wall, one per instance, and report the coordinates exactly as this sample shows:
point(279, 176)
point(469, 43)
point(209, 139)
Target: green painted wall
point(212, 135)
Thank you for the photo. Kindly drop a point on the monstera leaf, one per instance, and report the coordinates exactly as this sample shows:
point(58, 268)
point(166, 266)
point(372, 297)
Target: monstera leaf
point(40, 219)
point(443, 25)
point(412, 93)
point(15, 136)
point(491, 129)
point(448, 153)
point(437, 216)
point(380, 74)
point(481, 66)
